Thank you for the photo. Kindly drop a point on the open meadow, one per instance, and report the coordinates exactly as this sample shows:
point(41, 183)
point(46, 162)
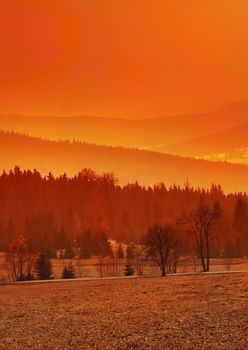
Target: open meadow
point(176, 312)
point(105, 267)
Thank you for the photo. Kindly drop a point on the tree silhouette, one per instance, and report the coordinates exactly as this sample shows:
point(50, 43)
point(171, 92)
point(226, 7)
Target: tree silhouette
point(159, 242)
point(129, 269)
point(51, 211)
point(68, 272)
point(43, 267)
point(20, 260)
point(200, 223)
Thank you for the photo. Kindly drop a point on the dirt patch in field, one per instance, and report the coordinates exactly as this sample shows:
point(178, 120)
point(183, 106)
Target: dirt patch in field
point(184, 312)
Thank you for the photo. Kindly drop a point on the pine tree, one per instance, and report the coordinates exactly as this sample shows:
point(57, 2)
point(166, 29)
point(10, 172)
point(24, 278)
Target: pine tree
point(43, 268)
point(129, 269)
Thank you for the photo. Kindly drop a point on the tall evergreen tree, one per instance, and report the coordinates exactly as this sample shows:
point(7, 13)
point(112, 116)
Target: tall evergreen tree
point(43, 267)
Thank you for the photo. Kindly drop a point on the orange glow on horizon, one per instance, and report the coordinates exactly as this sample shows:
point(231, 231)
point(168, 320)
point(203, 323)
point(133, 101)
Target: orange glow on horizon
point(119, 57)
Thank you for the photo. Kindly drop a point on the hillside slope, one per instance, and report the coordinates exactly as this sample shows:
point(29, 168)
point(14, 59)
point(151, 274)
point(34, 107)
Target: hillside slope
point(230, 145)
point(127, 164)
point(159, 133)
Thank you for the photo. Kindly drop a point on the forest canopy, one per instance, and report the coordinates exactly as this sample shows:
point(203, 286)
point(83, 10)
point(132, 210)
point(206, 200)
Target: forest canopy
point(55, 211)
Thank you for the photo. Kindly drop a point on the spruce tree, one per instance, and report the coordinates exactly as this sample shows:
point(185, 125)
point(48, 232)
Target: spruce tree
point(43, 268)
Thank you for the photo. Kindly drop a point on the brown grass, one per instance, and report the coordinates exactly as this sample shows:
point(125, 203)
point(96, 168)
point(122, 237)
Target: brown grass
point(183, 312)
point(90, 267)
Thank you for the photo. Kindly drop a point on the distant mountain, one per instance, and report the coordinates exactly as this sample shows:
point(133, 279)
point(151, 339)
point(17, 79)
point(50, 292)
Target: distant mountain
point(159, 134)
point(128, 165)
point(230, 145)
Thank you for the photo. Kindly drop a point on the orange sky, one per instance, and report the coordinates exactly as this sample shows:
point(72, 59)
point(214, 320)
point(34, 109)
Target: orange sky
point(122, 57)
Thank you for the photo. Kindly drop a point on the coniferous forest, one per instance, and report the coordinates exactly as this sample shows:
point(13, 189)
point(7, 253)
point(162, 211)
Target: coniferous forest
point(86, 210)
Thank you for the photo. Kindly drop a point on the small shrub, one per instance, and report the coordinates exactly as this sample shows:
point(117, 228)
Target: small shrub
point(68, 272)
point(129, 269)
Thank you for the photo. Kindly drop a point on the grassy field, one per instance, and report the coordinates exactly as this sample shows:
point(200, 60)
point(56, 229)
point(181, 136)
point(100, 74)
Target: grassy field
point(181, 312)
point(90, 267)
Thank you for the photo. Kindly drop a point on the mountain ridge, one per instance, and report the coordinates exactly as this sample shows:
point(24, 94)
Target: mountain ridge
point(142, 133)
point(129, 165)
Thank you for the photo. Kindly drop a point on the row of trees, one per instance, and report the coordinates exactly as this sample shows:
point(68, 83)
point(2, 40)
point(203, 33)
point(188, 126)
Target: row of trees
point(78, 215)
point(164, 244)
point(22, 264)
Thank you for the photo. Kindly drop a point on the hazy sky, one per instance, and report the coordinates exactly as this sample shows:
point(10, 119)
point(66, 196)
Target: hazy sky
point(122, 57)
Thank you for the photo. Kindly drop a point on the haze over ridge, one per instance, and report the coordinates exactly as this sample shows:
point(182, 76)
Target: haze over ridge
point(171, 134)
point(148, 168)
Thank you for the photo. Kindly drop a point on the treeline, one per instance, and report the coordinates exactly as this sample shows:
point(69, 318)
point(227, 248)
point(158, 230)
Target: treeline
point(84, 211)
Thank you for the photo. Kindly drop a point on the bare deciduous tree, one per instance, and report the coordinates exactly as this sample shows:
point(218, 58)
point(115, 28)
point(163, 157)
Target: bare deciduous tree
point(174, 256)
point(19, 260)
point(200, 223)
point(159, 243)
point(109, 267)
point(139, 259)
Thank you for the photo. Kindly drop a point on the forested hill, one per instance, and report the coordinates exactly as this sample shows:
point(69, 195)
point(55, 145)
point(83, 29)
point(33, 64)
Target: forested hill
point(128, 165)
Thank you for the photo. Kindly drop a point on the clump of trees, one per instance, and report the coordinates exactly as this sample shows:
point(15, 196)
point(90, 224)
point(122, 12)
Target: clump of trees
point(20, 260)
point(22, 264)
point(165, 243)
point(74, 217)
point(88, 209)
